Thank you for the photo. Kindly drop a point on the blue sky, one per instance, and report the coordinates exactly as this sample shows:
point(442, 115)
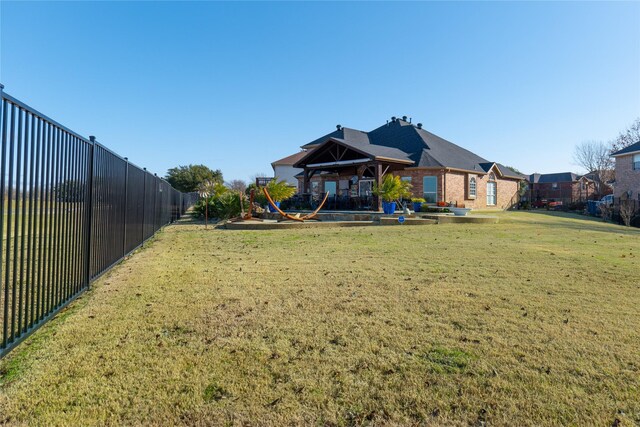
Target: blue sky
point(238, 85)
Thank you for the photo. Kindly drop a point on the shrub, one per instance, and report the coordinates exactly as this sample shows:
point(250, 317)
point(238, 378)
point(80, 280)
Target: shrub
point(418, 200)
point(279, 190)
point(258, 196)
point(627, 211)
point(223, 206)
point(577, 206)
point(392, 188)
point(427, 208)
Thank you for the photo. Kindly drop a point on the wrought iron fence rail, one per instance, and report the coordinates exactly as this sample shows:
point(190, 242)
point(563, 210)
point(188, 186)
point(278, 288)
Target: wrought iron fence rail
point(70, 209)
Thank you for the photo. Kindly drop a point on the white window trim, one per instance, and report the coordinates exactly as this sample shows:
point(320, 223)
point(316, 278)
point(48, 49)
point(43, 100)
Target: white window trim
point(475, 187)
point(494, 195)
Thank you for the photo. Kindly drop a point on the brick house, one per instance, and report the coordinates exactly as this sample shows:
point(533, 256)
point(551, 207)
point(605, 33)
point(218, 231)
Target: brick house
point(284, 170)
point(627, 183)
point(565, 187)
point(347, 162)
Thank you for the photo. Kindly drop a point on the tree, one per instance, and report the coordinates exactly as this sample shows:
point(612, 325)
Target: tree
point(189, 178)
point(209, 190)
point(524, 185)
point(594, 157)
point(627, 211)
point(237, 185)
point(628, 137)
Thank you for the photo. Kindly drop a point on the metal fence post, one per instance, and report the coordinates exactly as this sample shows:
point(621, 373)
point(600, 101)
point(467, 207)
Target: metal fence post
point(3, 129)
point(89, 200)
point(144, 203)
point(124, 217)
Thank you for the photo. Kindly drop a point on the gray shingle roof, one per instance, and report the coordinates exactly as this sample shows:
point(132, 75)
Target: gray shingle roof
point(375, 150)
point(402, 140)
point(289, 160)
point(630, 149)
point(347, 134)
point(538, 178)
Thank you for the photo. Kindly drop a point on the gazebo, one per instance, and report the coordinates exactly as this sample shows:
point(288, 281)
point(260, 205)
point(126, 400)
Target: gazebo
point(349, 159)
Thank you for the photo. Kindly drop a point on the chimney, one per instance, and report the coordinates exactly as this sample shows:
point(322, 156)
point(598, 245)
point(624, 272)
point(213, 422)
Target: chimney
point(404, 118)
point(393, 119)
point(419, 125)
point(339, 127)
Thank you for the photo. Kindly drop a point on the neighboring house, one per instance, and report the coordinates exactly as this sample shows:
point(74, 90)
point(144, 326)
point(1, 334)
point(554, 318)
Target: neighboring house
point(628, 172)
point(284, 169)
point(347, 162)
point(565, 187)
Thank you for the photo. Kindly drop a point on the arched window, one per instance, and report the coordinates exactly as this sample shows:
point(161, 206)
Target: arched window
point(472, 187)
point(492, 190)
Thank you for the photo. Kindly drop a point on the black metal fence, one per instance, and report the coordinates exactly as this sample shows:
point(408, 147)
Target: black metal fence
point(69, 210)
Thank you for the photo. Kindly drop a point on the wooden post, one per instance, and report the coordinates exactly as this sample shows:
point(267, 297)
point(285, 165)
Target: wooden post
point(305, 182)
point(378, 167)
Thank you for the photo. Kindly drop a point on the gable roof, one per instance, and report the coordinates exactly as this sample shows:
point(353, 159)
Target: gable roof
point(633, 148)
point(374, 152)
point(347, 134)
point(545, 178)
point(289, 160)
point(404, 141)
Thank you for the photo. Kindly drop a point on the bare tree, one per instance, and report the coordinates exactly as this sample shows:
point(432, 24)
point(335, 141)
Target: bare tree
point(627, 211)
point(628, 137)
point(594, 157)
point(237, 185)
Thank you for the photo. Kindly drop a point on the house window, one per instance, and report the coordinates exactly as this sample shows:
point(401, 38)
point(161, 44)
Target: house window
point(636, 162)
point(330, 187)
point(472, 188)
point(430, 188)
point(365, 187)
point(491, 190)
point(554, 185)
point(406, 178)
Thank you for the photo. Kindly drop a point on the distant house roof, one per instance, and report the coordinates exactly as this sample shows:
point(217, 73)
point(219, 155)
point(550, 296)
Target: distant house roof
point(538, 178)
point(401, 140)
point(633, 148)
point(289, 160)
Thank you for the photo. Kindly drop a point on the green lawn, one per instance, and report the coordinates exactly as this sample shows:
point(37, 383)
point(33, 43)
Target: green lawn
point(532, 321)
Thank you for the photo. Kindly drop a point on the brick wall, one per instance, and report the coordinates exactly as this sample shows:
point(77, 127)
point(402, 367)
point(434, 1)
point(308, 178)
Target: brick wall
point(626, 178)
point(452, 187)
point(416, 176)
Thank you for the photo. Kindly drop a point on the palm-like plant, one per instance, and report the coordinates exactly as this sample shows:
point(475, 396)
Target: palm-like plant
point(209, 190)
point(280, 190)
point(392, 188)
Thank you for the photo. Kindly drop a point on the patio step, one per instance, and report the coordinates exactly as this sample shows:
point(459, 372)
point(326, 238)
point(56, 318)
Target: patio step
point(393, 220)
